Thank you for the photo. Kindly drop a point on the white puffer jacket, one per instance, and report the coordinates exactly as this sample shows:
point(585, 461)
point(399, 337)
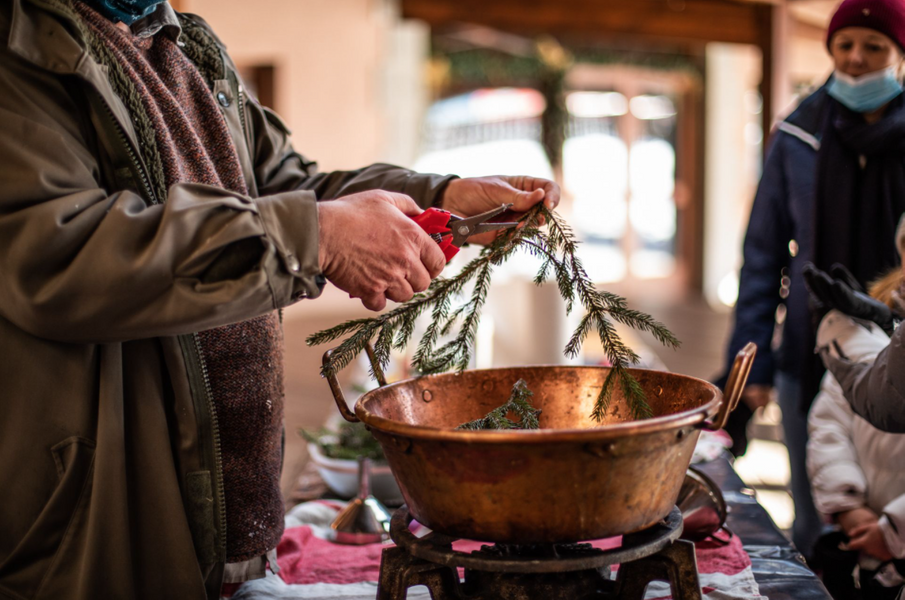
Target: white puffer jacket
point(850, 462)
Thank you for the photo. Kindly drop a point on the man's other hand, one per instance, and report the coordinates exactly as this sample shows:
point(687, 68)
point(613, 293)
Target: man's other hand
point(756, 396)
point(474, 195)
point(371, 248)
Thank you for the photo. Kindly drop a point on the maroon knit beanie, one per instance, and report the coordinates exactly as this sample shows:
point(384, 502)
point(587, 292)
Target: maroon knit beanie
point(885, 16)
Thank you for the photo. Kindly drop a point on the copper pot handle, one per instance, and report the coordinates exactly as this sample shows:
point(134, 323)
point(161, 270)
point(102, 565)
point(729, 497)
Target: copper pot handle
point(735, 384)
point(338, 395)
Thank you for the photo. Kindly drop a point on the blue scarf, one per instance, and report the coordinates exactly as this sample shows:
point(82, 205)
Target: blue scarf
point(127, 11)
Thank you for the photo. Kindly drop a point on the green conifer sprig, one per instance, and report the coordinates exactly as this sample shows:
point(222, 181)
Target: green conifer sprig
point(556, 247)
point(519, 403)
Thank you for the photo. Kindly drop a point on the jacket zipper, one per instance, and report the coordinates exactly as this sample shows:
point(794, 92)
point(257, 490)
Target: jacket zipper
point(134, 158)
point(241, 94)
point(203, 400)
point(197, 368)
point(219, 492)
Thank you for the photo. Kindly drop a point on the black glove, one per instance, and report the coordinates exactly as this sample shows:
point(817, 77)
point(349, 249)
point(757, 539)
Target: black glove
point(841, 291)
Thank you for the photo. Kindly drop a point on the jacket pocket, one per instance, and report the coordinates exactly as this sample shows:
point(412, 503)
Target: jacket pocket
point(23, 572)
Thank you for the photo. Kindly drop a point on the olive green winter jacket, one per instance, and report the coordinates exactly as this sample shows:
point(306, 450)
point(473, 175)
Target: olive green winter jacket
point(110, 482)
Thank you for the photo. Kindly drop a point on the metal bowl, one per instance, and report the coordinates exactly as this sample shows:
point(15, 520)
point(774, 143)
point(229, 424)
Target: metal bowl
point(571, 480)
point(341, 476)
point(703, 507)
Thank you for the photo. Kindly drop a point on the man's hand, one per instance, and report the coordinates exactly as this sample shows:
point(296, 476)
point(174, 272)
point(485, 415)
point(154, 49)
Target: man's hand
point(855, 518)
point(371, 248)
point(756, 396)
point(472, 196)
point(868, 538)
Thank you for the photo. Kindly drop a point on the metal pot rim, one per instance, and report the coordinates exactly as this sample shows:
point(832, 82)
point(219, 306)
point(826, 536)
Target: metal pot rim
point(695, 418)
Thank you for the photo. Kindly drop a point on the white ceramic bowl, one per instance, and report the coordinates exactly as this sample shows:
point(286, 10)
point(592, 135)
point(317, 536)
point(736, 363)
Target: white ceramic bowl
point(341, 476)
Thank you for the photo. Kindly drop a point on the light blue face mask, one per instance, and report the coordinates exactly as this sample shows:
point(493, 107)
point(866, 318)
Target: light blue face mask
point(127, 11)
point(868, 92)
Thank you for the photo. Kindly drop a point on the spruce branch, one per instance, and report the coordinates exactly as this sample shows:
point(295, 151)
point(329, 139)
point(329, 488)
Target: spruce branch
point(557, 249)
point(519, 403)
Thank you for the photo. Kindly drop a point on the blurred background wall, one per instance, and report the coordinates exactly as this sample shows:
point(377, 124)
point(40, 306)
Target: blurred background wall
point(346, 75)
point(652, 114)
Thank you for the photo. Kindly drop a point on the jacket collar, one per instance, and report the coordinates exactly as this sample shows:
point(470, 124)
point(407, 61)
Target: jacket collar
point(42, 33)
point(162, 20)
point(805, 122)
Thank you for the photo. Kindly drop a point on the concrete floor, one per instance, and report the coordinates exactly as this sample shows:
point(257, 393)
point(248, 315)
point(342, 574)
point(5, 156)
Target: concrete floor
point(765, 467)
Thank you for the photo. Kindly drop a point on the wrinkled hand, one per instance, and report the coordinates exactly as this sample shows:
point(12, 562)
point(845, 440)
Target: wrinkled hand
point(868, 538)
point(841, 291)
point(371, 248)
point(472, 196)
point(756, 396)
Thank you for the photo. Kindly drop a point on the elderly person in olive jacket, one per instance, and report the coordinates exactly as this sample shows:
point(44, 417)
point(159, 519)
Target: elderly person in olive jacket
point(153, 219)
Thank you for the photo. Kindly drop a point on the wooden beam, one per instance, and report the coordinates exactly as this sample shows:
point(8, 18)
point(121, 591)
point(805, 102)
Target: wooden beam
point(699, 20)
point(808, 31)
point(775, 88)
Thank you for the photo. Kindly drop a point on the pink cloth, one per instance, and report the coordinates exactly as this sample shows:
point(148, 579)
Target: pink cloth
point(306, 558)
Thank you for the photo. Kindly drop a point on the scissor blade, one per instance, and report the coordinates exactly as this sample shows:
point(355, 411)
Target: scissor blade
point(461, 233)
point(485, 227)
point(474, 220)
point(463, 228)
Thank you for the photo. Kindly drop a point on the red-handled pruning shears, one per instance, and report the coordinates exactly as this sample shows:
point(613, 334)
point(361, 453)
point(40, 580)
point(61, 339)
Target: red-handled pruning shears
point(451, 231)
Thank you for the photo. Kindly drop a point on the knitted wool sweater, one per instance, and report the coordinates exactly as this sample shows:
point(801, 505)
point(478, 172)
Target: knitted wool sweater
point(244, 360)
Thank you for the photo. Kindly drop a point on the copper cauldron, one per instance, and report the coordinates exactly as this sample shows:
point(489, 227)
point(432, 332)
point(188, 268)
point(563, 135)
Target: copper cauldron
point(572, 480)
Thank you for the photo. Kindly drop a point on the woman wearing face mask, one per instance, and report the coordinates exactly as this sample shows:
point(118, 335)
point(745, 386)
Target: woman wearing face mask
point(832, 190)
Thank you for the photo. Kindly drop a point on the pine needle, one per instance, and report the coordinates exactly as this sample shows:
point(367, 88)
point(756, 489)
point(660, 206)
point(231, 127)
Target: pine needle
point(556, 248)
point(519, 403)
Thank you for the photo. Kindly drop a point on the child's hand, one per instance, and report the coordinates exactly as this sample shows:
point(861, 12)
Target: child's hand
point(855, 518)
point(868, 538)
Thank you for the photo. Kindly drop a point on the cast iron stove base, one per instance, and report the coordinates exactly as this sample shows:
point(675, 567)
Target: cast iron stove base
point(549, 571)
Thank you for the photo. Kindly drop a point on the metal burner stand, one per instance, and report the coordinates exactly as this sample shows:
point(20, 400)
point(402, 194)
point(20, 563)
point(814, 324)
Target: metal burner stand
point(549, 571)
